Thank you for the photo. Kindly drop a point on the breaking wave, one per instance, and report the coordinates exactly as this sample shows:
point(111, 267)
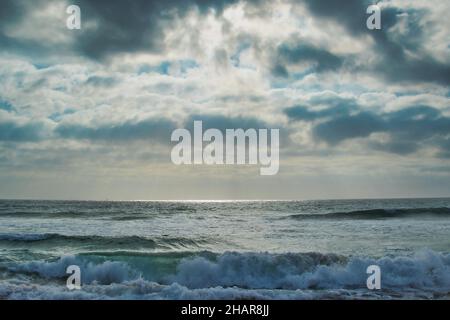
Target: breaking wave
point(233, 275)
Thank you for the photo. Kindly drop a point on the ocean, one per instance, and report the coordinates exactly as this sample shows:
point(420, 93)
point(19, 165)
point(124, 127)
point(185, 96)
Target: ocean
point(225, 249)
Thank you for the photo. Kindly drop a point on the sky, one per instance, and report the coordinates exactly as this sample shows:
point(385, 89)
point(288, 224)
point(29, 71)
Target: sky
point(88, 114)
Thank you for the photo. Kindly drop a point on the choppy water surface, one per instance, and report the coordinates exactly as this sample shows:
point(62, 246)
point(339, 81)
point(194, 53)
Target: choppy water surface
point(232, 249)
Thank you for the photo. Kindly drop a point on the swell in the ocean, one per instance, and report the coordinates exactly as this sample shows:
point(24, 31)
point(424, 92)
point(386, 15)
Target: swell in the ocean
point(443, 212)
point(92, 209)
point(135, 242)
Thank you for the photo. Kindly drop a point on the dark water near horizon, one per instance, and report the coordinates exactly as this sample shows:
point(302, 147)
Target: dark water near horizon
point(225, 249)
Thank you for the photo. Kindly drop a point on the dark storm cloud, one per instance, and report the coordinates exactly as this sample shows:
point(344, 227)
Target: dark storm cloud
point(303, 113)
point(10, 11)
point(13, 13)
point(28, 48)
point(11, 131)
point(395, 64)
point(114, 26)
point(108, 26)
point(151, 129)
point(334, 107)
point(348, 127)
point(419, 122)
point(352, 13)
point(158, 130)
point(5, 105)
point(288, 54)
point(14, 130)
point(409, 129)
point(133, 26)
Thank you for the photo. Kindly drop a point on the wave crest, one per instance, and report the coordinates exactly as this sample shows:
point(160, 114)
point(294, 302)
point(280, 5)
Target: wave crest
point(377, 214)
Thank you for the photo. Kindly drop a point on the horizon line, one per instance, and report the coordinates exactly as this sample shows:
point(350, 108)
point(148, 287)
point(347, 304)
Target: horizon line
point(225, 200)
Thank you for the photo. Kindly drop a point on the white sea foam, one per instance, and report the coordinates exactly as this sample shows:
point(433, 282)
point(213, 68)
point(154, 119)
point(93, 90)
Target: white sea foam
point(146, 290)
point(238, 276)
point(103, 273)
point(426, 269)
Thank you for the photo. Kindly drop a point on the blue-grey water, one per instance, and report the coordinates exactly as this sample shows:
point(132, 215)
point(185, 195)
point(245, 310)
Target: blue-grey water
point(225, 250)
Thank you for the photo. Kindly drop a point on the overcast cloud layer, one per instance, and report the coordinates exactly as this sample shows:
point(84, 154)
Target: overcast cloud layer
point(88, 113)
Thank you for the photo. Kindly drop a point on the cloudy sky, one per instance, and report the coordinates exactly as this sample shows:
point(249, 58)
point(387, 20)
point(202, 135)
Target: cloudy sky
point(88, 114)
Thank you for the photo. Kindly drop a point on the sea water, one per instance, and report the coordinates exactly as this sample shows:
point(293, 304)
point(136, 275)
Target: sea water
point(225, 249)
